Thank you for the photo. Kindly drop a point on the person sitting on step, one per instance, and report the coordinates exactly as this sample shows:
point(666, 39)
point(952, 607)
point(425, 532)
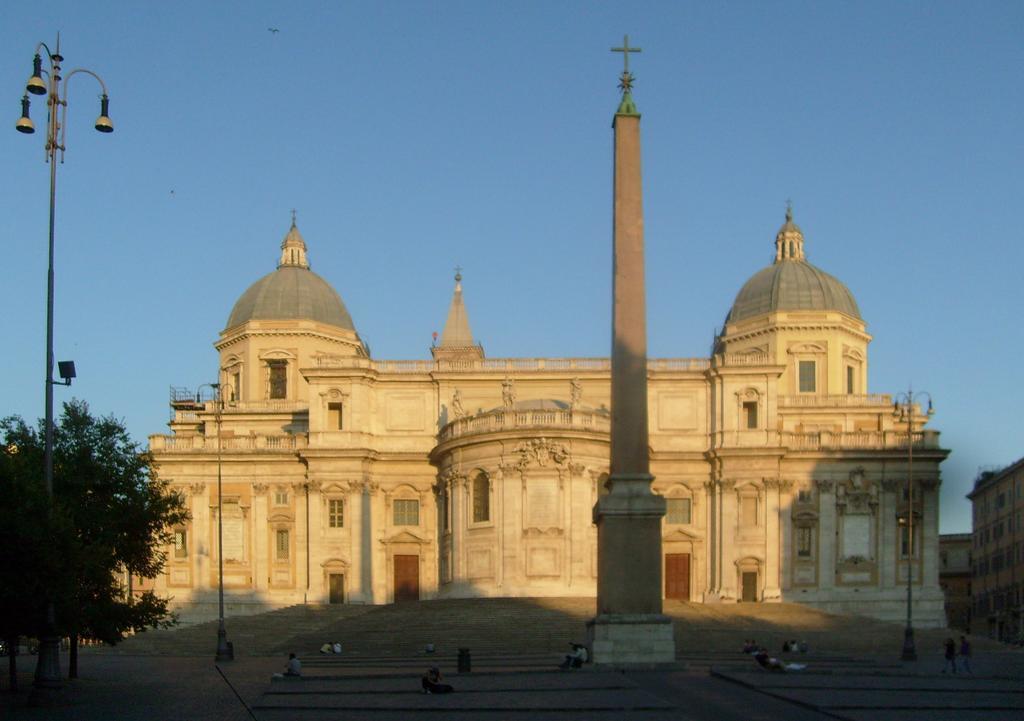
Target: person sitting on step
point(577, 658)
point(432, 682)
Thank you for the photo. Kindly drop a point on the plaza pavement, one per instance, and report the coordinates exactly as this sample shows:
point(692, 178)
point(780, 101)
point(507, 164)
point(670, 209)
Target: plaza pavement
point(718, 686)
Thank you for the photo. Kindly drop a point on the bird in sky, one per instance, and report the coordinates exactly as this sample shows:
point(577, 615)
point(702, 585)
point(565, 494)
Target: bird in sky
point(273, 30)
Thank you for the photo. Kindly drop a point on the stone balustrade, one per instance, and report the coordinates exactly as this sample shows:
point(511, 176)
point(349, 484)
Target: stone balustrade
point(503, 365)
point(208, 444)
point(924, 440)
point(835, 400)
point(501, 419)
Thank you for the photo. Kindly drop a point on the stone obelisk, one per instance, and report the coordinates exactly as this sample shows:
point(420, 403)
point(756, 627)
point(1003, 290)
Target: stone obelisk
point(629, 627)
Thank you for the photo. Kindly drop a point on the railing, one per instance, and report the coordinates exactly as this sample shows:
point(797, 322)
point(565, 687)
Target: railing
point(742, 359)
point(503, 420)
point(835, 400)
point(229, 443)
point(266, 406)
point(502, 365)
point(857, 439)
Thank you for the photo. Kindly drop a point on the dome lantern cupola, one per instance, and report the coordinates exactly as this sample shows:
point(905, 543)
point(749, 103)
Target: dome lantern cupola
point(293, 249)
point(789, 242)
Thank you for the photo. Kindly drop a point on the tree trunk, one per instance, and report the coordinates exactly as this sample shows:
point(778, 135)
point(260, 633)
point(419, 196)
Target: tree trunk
point(12, 662)
point(73, 657)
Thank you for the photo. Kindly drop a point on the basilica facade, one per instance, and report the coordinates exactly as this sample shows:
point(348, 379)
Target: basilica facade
point(350, 479)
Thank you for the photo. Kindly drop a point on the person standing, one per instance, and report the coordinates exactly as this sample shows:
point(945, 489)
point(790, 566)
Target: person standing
point(950, 655)
point(965, 655)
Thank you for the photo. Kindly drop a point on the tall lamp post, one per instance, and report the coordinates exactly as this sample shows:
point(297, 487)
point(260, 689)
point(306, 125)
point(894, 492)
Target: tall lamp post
point(903, 410)
point(225, 650)
point(48, 664)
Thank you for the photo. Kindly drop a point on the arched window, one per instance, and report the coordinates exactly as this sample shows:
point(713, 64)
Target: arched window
point(481, 498)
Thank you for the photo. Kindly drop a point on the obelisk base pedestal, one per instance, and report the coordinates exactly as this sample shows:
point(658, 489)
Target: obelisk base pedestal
point(621, 639)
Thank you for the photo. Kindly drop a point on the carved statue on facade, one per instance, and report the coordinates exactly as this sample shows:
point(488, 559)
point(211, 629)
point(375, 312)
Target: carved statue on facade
point(575, 393)
point(508, 392)
point(457, 410)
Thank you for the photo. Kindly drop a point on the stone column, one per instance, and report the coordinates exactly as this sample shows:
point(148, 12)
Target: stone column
point(200, 540)
point(826, 535)
point(729, 521)
point(772, 591)
point(929, 545)
point(260, 552)
point(785, 535)
point(888, 549)
point(629, 626)
point(712, 509)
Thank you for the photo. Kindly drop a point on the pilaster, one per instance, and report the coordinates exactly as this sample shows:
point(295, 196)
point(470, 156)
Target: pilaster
point(826, 534)
point(772, 591)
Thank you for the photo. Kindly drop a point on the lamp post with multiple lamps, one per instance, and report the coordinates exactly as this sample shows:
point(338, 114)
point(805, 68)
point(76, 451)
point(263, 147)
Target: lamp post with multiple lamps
point(225, 650)
point(48, 664)
point(903, 410)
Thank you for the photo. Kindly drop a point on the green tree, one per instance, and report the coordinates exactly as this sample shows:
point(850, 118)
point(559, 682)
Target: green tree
point(111, 515)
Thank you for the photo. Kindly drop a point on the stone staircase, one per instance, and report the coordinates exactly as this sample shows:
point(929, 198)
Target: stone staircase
point(517, 632)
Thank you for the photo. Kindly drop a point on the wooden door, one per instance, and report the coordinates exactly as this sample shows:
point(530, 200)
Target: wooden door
point(677, 576)
point(407, 578)
point(750, 586)
point(337, 587)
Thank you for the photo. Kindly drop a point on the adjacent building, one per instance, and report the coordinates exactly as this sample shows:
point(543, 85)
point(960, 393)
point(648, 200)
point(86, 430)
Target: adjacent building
point(955, 578)
point(997, 504)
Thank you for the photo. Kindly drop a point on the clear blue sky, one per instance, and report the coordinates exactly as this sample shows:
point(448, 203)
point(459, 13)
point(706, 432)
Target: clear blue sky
point(412, 136)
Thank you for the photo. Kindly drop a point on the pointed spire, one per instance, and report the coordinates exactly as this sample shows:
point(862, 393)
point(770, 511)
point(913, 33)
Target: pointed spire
point(457, 338)
point(789, 241)
point(456, 332)
point(293, 248)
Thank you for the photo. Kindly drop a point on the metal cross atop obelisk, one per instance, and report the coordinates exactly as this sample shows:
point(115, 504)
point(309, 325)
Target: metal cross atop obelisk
point(626, 82)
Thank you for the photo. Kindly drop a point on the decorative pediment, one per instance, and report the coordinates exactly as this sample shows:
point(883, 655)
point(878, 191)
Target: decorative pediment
point(335, 563)
point(679, 534)
point(748, 394)
point(334, 394)
point(336, 487)
point(807, 348)
point(406, 537)
point(280, 517)
point(805, 518)
point(276, 354)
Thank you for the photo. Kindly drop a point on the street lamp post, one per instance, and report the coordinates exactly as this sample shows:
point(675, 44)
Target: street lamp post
point(903, 409)
point(225, 650)
point(48, 664)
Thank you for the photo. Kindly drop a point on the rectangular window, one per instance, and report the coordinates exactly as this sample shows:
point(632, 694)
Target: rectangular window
point(180, 544)
point(406, 512)
point(804, 539)
point(849, 380)
point(807, 376)
point(336, 513)
point(677, 511)
point(334, 416)
point(750, 414)
point(278, 378)
point(236, 386)
point(748, 510)
point(281, 497)
point(281, 545)
point(905, 541)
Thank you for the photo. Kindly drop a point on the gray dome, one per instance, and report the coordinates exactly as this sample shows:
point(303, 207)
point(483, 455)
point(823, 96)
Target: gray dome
point(291, 293)
point(791, 285)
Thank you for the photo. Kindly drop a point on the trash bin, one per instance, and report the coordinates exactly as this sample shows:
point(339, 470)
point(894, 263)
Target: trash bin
point(465, 663)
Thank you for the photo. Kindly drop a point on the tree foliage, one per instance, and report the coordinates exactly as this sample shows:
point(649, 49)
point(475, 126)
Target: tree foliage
point(111, 514)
